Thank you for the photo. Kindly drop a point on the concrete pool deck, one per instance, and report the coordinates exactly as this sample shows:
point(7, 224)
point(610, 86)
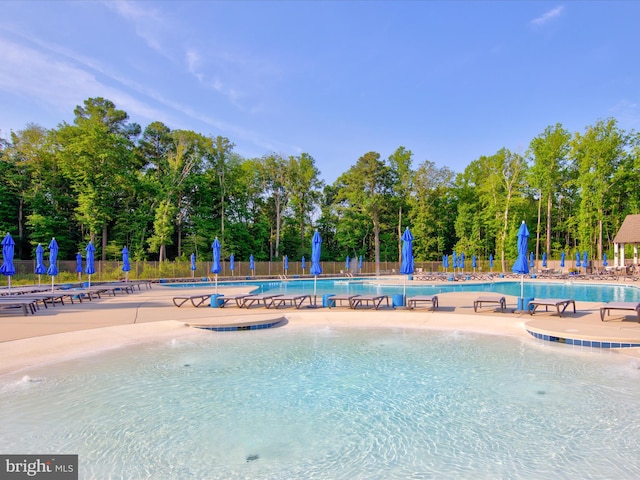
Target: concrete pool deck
point(71, 330)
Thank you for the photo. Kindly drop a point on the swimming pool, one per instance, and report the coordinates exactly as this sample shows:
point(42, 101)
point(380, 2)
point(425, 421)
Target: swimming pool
point(333, 404)
point(577, 291)
point(339, 404)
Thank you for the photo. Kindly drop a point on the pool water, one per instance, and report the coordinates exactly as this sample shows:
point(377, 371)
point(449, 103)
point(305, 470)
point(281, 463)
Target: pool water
point(333, 404)
point(576, 291)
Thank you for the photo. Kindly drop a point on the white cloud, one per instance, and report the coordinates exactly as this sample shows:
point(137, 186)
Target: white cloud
point(548, 16)
point(61, 85)
point(627, 112)
point(149, 23)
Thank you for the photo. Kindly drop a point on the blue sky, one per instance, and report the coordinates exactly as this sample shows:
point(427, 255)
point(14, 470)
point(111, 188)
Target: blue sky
point(450, 81)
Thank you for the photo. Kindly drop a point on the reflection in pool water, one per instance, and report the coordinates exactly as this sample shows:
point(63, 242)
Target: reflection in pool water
point(334, 404)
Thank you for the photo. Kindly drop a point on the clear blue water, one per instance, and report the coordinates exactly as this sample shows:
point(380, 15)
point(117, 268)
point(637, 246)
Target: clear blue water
point(577, 291)
point(333, 404)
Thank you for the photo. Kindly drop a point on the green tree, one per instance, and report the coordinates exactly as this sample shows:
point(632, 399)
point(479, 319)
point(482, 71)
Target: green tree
point(274, 174)
point(304, 186)
point(96, 155)
point(365, 188)
point(431, 208)
point(219, 157)
point(499, 180)
point(597, 155)
point(400, 162)
point(184, 159)
point(549, 152)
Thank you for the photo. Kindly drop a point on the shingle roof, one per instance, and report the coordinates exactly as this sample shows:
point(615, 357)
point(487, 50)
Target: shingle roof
point(629, 231)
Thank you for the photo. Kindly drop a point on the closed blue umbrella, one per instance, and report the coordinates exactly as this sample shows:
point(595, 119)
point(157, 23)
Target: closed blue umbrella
point(544, 260)
point(406, 268)
point(461, 259)
point(360, 263)
point(193, 265)
point(454, 263)
point(39, 270)
point(232, 263)
point(578, 261)
point(562, 257)
point(216, 268)
point(303, 264)
point(285, 264)
point(604, 260)
point(474, 262)
point(79, 265)
point(91, 257)
point(531, 261)
point(521, 265)
point(7, 268)
point(316, 268)
point(126, 266)
point(585, 261)
point(52, 271)
point(491, 262)
point(252, 264)
point(445, 262)
point(347, 263)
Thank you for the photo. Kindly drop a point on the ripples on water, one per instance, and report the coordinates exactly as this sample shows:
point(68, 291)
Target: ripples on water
point(334, 404)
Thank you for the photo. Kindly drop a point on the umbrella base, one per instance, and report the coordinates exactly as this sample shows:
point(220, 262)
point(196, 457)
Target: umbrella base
point(523, 304)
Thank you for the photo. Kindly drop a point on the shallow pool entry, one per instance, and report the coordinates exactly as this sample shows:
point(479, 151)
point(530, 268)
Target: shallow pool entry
point(334, 403)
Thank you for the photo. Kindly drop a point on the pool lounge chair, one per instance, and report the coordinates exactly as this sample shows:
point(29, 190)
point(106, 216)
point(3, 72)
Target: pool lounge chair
point(607, 307)
point(337, 300)
point(26, 306)
point(262, 298)
point(551, 302)
point(223, 300)
point(196, 300)
point(413, 302)
point(368, 300)
point(47, 299)
point(201, 299)
point(293, 300)
point(492, 300)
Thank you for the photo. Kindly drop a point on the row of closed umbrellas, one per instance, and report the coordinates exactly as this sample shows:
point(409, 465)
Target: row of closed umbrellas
point(216, 267)
point(8, 268)
point(407, 266)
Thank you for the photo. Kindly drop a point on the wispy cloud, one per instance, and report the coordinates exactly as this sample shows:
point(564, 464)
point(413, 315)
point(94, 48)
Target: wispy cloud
point(148, 22)
point(160, 34)
point(59, 84)
point(548, 16)
point(67, 80)
point(627, 112)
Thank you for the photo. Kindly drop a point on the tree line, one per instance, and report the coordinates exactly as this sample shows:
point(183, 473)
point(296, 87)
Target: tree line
point(168, 193)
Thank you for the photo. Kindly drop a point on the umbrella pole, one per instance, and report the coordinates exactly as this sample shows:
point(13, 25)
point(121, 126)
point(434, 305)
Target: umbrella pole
point(52, 283)
point(404, 292)
point(315, 299)
point(89, 281)
point(9, 277)
point(216, 283)
point(38, 279)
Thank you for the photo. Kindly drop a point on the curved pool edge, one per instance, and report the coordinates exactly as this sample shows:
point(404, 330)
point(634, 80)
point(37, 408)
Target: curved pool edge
point(585, 333)
point(241, 324)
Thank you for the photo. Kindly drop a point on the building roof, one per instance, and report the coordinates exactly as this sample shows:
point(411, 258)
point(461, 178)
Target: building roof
point(629, 231)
